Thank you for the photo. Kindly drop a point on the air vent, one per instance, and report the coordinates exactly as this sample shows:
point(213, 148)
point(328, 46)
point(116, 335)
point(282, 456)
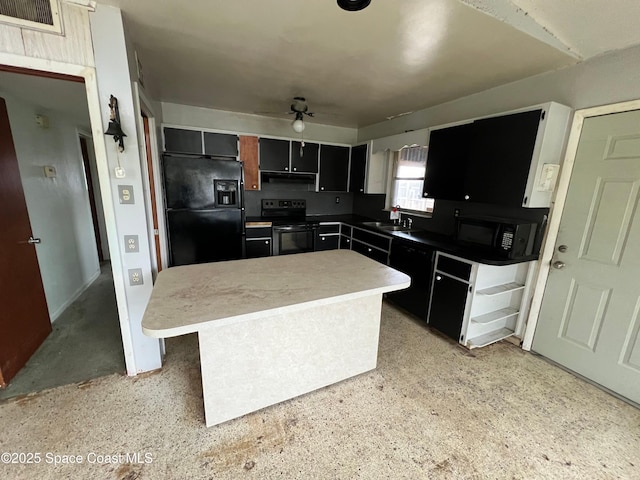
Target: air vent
point(33, 14)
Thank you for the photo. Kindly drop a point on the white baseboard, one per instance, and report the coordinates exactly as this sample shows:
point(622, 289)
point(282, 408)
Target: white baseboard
point(54, 316)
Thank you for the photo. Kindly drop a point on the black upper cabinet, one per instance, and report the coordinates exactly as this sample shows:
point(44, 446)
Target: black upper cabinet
point(500, 158)
point(178, 140)
point(358, 169)
point(274, 154)
point(447, 159)
point(222, 144)
point(308, 161)
point(334, 168)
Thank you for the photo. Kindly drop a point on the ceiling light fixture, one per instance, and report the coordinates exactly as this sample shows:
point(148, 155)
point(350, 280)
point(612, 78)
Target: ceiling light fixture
point(353, 5)
point(298, 124)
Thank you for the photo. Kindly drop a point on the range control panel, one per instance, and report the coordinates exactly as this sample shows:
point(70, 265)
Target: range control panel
point(285, 208)
point(274, 204)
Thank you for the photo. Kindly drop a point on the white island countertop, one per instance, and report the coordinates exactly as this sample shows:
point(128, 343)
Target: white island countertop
point(190, 298)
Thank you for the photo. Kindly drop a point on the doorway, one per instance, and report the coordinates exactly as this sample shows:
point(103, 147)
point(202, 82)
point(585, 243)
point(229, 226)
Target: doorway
point(54, 169)
point(589, 320)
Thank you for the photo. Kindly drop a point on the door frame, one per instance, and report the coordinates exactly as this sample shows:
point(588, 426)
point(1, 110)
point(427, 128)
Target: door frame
point(144, 106)
point(555, 215)
point(60, 70)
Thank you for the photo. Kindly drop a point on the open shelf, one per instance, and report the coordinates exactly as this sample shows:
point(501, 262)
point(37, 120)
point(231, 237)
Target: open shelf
point(498, 289)
point(495, 315)
point(492, 337)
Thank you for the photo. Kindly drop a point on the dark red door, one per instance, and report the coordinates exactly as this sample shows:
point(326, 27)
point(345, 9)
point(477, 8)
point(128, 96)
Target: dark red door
point(24, 317)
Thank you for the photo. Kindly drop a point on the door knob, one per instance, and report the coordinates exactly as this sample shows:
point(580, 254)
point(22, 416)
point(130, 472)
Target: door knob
point(563, 248)
point(558, 264)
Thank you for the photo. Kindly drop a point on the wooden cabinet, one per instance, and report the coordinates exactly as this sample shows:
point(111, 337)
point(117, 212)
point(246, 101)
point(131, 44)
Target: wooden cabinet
point(358, 169)
point(478, 304)
point(509, 160)
point(447, 159)
point(334, 168)
point(305, 160)
point(249, 156)
point(274, 154)
point(178, 140)
point(220, 144)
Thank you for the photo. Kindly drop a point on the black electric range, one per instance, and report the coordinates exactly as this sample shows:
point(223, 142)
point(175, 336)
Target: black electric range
point(292, 232)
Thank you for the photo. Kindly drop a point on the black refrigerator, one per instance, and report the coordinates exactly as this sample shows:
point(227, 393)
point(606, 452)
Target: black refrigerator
point(204, 208)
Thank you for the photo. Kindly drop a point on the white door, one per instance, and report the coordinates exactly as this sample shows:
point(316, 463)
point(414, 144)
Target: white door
point(590, 316)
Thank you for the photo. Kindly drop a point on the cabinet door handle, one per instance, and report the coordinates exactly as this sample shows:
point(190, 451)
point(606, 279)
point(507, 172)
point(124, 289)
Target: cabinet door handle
point(467, 197)
point(295, 169)
point(321, 188)
point(438, 277)
point(362, 189)
point(266, 242)
point(369, 250)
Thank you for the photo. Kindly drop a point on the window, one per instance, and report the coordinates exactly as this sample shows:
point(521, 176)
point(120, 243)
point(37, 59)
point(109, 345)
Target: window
point(409, 169)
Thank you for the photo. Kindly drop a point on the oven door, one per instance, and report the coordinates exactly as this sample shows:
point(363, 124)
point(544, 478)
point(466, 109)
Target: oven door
point(293, 239)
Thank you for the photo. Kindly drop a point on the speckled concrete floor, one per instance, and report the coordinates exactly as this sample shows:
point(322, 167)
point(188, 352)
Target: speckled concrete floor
point(430, 410)
point(85, 343)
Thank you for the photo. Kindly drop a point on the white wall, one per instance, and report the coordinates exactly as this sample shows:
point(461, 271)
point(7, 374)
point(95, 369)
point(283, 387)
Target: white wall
point(59, 208)
point(188, 116)
point(602, 80)
point(112, 68)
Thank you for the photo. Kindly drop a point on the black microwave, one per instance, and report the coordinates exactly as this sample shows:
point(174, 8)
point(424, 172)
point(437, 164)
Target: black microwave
point(507, 238)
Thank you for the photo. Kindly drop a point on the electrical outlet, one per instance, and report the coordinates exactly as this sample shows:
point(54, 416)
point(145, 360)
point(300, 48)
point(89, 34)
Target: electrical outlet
point(135, 276)
point(456, 212)
point(125, 194)
point(131, 244)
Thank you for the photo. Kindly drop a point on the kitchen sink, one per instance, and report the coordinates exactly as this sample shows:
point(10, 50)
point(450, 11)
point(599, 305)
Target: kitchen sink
point(387, 227)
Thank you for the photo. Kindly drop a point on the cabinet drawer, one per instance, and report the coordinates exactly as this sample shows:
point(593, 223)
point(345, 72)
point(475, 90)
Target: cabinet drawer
point(255, 247)
point(380, 241)
point(454, 267)
point(258, 232)
point(333, 228)
point(371, 252)
point(327, 242)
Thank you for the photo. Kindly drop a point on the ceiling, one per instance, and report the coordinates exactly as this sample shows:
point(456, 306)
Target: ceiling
point(359, 68)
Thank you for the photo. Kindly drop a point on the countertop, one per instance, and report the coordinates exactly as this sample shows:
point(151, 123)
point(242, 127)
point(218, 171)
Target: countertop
point(191, 298)
point(443, 243)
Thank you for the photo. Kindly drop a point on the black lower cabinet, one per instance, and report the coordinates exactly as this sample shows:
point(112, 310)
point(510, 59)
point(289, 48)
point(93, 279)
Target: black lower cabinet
point(418, 264)
point(448, 300)
point(327, 242)
point(371, 252)
point(257, 247)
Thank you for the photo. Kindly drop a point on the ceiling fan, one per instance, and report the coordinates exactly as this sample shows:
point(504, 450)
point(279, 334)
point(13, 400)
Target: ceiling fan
point(299, 108)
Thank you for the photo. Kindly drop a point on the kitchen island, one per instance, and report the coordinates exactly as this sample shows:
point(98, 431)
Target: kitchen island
point(273, 328)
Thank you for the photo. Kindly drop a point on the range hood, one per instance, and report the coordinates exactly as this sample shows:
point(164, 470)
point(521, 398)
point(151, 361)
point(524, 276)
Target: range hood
point(288, 177)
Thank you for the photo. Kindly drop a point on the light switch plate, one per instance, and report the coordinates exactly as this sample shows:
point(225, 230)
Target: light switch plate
point(125, 194)
point(131, 244)
point(135, 276)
